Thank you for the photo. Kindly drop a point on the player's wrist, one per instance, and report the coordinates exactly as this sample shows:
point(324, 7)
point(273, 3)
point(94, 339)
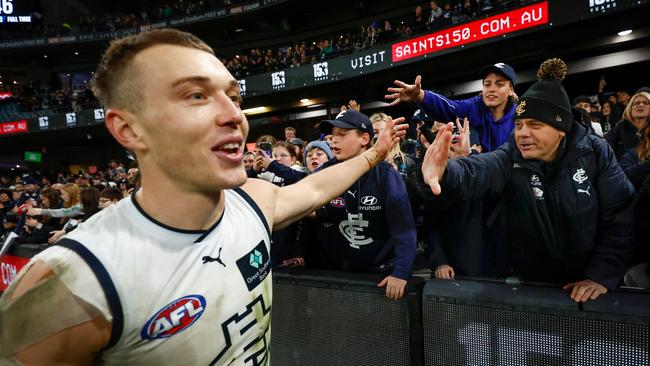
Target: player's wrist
point(373, 157)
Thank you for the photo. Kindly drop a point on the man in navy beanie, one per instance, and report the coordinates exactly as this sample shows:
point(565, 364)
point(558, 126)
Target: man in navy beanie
point(567, 204)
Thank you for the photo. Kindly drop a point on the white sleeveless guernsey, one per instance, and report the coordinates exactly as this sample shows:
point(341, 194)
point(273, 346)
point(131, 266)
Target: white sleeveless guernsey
point(174, 297)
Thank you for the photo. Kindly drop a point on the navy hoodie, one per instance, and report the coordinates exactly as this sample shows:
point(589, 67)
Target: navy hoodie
point(369, 224)
point(492, 133)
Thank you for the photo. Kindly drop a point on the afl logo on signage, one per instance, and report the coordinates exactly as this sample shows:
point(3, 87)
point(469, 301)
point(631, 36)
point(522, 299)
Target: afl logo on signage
point(174, 318)
point(338, 202)
point(369, 200)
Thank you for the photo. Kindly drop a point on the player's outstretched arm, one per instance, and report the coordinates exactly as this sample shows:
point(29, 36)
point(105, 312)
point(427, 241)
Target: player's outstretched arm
point(45, 324)
point(298, 200)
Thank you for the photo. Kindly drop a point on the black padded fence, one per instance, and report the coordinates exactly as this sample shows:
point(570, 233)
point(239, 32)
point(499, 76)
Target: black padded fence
point(482, 323)
point(335, 318)
point(329, 318)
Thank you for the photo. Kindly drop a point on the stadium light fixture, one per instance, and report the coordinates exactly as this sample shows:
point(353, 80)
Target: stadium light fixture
point(256, 110)
point(44, 56)
point(624, 33)
point(76, 53)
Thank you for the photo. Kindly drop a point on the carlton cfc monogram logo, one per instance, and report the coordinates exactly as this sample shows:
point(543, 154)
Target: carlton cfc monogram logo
point(521, 108)
point(580, 176)
point(352, 230)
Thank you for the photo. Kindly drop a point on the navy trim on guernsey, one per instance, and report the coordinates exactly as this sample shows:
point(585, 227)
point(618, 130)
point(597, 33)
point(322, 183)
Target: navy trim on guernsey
point(255, 207)
point(105, 281)
point(183, 231)
point(211, 229)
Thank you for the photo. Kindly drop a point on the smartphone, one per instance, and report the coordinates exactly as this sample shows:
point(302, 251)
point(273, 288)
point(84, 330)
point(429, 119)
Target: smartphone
point(266, 146)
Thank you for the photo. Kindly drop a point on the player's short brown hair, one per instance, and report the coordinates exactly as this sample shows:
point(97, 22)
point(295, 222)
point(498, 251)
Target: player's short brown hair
point(111, 84)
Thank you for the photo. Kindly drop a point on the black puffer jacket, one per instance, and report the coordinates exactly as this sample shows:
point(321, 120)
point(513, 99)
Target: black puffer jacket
point(622, 137)
point(566, 220)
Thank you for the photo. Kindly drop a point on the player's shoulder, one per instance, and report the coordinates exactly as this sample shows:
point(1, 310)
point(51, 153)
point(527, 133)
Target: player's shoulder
point(258, 189)
point(261, 194)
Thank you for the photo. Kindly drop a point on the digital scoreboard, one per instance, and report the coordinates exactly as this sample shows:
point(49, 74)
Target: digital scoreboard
point(9, 13)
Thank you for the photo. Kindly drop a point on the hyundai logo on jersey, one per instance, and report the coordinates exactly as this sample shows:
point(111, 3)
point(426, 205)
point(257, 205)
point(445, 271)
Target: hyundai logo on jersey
point(338, 202)
point(255, 265)
point(174, 318)
point(369, 200)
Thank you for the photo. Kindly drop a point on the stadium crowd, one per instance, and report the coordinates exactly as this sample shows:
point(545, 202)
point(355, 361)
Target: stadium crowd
point(41, 209)
point(30, 99)
point(539, 187)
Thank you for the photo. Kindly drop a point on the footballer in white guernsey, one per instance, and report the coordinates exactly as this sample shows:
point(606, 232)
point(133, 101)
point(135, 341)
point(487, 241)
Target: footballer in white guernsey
point(179, 272)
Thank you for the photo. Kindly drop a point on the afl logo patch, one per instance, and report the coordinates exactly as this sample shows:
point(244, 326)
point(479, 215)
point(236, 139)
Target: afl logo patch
point(338, 202)
point(174, 318)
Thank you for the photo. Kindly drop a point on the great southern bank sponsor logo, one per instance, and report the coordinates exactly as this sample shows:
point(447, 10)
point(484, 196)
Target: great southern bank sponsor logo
point(255, 265)
point(174, 318)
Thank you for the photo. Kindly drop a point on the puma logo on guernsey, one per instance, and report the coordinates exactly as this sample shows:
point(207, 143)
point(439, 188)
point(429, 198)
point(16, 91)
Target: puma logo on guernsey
point(207, 258)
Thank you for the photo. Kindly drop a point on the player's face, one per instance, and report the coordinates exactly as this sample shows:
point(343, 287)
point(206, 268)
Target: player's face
point(348, 143)
point(496, 90)
point(536, 139)
point(194, 129)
